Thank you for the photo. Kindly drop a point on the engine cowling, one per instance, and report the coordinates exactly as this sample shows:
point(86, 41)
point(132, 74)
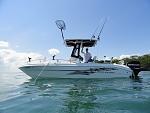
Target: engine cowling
point(136, 67)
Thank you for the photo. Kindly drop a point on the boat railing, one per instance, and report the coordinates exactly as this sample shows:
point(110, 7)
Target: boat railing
point(62, 61)
point(55, 61)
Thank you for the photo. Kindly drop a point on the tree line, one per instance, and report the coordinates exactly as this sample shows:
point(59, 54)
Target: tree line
point(144, 60)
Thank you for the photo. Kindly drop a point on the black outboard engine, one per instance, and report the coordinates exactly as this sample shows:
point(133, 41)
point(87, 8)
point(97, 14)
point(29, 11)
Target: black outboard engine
point(136, 67)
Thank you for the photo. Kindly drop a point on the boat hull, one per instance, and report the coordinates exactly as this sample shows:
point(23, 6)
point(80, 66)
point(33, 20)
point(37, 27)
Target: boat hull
point(76, 71)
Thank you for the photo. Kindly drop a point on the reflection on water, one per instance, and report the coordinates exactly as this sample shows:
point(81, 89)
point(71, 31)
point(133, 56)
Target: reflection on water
point(78, 96)
point(81, 97)
point(75, 96)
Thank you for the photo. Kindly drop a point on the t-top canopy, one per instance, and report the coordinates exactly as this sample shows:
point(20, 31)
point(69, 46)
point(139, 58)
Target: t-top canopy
point(84, 42)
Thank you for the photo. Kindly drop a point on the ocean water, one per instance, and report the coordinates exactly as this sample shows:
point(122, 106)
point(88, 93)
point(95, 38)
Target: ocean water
point(19, 94)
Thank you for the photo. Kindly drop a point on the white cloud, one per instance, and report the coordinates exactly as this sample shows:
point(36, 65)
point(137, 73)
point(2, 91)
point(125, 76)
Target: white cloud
point(126, 56)
point(53, 51)
point(13, 59)
point(3, 44)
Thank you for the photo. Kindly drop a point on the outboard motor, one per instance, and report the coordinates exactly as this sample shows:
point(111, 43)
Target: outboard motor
point(136, 67)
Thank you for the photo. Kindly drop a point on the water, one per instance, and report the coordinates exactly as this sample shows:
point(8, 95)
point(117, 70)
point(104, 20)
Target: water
point(19, 94)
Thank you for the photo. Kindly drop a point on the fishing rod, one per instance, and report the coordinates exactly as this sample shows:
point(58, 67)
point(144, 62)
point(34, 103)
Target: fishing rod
point(98, 37)
point(100, 31)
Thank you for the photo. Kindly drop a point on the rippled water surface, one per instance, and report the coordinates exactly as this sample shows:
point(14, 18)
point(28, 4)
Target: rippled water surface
point(20, 94)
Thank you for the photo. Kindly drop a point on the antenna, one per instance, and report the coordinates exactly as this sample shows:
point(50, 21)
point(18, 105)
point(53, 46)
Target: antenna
point(102, 29)
point(61, 25)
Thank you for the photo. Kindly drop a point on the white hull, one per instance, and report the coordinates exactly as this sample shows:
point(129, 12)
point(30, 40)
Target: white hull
point(81, 70)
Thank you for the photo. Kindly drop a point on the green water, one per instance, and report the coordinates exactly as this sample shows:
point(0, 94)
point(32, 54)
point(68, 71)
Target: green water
point(19, 94)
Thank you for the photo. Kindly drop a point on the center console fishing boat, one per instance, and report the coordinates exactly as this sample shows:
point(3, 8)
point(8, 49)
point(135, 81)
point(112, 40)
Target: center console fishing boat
point(75, 67)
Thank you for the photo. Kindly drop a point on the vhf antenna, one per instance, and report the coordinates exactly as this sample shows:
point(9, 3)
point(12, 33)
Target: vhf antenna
point(61, 25)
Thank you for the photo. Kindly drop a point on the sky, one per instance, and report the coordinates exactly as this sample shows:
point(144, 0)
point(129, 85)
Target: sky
point(27, 27)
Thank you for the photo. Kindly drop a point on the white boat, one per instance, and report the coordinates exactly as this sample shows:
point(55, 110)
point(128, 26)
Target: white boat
point(76, 69)
point(80, 70)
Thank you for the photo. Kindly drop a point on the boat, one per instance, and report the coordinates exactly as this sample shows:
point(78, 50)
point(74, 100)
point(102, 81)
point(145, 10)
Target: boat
point(75, 67)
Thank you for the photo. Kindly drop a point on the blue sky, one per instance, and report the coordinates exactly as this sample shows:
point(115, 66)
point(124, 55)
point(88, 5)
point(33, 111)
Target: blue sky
point(29, 25)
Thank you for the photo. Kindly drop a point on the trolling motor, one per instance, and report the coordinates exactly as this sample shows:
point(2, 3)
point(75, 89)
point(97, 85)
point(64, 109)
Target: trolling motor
point(136, 67)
